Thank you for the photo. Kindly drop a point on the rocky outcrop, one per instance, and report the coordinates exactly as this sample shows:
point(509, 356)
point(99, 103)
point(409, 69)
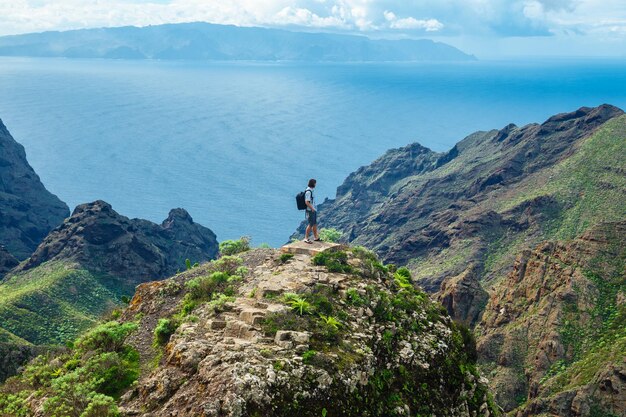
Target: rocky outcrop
point(482, 202)
point(551, 337)
point(7, 261)
point(391, 351)
point(463, 296)
point(27, 210)
point(101, 240)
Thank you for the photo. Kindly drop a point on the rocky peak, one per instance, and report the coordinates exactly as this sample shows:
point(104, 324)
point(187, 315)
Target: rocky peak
point(440, 212)
point(99, 238)
point(177, 215)
point(27, 210)
point(258, 354)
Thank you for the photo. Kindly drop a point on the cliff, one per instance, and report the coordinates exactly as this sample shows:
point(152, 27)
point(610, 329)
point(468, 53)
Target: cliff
point(265, 333)
point(135, 250)
point(28, 212)
point(491, 196)
point(552, 335)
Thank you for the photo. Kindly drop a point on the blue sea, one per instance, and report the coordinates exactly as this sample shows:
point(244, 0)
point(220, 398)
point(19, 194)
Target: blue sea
point(233, 143)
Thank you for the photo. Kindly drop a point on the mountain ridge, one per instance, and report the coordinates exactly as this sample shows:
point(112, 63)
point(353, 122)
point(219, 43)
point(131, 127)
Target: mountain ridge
point(28, 211)
point(200, 40)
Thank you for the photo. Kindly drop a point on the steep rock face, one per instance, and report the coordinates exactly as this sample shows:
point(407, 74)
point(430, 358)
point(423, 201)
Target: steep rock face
point(27, 210)
point(391, 352)
point(463, 296)
point(7, 261)
point(136, 250)
point(552, 334)
point(490, 196)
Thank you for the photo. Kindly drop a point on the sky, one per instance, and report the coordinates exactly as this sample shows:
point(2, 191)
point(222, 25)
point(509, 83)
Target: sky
point(486, 28)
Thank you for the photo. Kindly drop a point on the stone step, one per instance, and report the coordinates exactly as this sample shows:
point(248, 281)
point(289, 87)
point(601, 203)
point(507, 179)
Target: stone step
point(311, 249)
point(238, 329)
point(252, 316)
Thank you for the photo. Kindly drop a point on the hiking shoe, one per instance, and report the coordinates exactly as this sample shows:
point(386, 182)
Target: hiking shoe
point(317, 240)
point(307, 241)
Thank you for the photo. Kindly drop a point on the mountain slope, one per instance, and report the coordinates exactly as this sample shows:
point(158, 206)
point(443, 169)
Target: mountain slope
point(267, 335)
point(206, 41)
point(27, 210)
point(553, 334)
point(83, 268)
point(490, 196)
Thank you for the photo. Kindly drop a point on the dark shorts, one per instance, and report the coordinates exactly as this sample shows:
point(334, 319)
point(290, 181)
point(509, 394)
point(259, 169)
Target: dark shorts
point(311, 217)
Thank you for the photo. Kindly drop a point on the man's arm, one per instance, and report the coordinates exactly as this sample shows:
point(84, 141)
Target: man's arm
point(309, 205)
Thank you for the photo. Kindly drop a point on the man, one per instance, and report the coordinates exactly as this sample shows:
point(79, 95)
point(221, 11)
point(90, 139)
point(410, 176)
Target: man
point(311, 213)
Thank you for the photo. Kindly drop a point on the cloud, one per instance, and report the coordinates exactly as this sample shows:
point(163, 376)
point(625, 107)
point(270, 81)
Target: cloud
point(457, 18)
point(429, 25)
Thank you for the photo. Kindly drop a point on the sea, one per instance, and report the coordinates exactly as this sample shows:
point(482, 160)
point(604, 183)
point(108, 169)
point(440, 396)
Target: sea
point(234, 142)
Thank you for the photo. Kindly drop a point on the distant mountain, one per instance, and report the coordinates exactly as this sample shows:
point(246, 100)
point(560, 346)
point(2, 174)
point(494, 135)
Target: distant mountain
point(205, 41)
point(27, 210)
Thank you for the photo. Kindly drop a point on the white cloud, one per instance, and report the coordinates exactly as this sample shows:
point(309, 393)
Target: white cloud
point(603, 19)
point(429, 25)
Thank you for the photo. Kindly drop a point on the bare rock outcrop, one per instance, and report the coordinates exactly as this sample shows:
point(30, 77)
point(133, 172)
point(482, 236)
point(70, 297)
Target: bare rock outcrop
point(28, 212)
point(101, 240)
point(549, 338)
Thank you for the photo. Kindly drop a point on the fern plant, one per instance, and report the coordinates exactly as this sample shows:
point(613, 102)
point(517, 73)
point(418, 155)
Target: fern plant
point(301, 306)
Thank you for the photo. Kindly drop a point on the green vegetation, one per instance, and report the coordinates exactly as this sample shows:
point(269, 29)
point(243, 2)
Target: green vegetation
point(285, 257)
point(233, 247)
point(164, 329)
point(371, 267)
point(56, 301)
point(354, 298)
point(330, 235)
point(334, 261)
point(85, 381)
point(301, 306)
point(594, 347)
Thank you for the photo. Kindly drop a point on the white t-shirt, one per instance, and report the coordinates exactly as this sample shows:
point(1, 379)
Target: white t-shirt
point(308, 197)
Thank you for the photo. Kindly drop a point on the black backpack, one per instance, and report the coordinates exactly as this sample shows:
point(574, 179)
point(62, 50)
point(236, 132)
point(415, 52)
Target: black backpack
point(301, 200)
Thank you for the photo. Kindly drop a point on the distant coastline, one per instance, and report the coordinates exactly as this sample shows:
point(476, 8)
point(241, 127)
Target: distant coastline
point(211, 42)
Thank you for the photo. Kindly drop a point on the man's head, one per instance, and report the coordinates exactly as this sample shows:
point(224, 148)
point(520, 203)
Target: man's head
point(312, 183)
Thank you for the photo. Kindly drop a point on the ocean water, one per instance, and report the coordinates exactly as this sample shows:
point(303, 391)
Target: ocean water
point(234, 142)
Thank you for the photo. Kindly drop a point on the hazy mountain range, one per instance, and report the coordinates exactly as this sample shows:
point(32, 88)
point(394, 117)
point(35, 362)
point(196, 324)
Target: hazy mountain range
point(205, 41)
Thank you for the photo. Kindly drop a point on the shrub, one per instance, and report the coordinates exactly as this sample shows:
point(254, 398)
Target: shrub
point(163, 330)
point(330, 235)
point(203, 287)
point(84, 381)
point(227, 264)
point(335, 261)
point(308, 356)
point(354, 298)
point(232, 247)
point(287, 320)
point(285, 257)
point(108, 337)
point(319, 299)
point(218, 304)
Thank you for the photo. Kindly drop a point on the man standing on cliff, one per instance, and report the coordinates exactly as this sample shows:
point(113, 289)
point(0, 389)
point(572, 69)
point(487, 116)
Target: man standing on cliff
point(311, 213)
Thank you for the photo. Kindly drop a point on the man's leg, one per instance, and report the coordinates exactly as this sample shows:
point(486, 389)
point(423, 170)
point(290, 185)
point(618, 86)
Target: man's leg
point(315, 234)
point(307, 232)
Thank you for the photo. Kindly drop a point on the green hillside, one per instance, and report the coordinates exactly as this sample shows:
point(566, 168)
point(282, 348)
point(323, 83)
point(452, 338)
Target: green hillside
point(54, 302)
point(589, 188)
